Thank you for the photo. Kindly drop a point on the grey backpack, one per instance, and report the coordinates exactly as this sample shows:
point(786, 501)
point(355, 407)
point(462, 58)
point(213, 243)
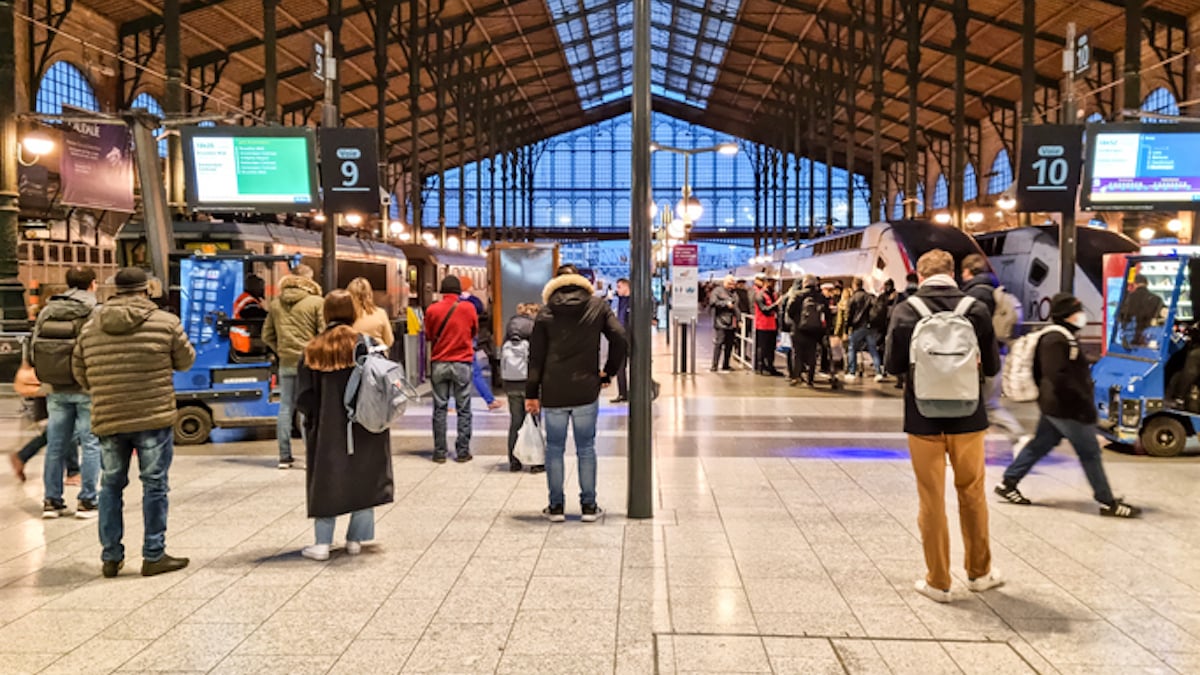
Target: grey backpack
point(377, 392)
point(514, 360)
point(944, 361)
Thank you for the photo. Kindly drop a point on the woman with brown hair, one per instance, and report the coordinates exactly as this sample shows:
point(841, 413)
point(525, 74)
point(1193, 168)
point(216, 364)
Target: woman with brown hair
point(338, 481)
point(371, 320)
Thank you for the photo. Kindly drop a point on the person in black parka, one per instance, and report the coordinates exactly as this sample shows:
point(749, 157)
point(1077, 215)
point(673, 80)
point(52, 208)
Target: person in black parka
point(339, 482)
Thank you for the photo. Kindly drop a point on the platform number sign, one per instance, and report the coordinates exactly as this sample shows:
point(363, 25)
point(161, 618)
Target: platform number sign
point(1083, 52)
point(1051, 160)
point(350, 171)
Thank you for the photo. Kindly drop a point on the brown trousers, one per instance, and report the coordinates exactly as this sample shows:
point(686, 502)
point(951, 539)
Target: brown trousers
point(929, 464)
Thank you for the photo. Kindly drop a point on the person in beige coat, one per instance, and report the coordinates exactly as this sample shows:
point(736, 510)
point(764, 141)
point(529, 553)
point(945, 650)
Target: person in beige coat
point(294, 318)
point(372, 321)
point(125, 357)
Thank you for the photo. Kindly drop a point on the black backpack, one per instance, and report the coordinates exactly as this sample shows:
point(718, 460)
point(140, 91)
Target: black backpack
point(880, 307)
point(812, 316)
point(53, 341)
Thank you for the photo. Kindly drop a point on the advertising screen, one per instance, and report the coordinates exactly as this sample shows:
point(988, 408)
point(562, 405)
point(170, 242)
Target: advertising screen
point(1142, 167)
point(250, 169)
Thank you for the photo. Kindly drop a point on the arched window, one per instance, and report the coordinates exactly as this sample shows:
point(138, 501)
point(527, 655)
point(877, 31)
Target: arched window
point(1162, 102)
point(898, 207)
point(920, 198)
point(970, 190)
point(941, 193)
point(153, 107)
point(64, 84)
point(1002, 174)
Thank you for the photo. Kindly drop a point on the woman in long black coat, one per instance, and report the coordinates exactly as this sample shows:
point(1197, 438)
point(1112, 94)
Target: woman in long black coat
point(339, 482)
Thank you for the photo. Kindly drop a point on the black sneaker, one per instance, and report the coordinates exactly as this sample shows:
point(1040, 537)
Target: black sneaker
point(554, 513)
point(285, 464)
point(463, 458)
point(163, 565)
point(591, 513)
point(87, 509)
point(1119, 509)
point(515, 466)
point(111, 567)
point(1012, 494)
point(538, 468)
point(439, 459)
point(54, 508)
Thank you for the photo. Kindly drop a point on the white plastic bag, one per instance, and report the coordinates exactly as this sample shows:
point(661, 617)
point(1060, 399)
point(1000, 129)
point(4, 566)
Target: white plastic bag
point(531, 444)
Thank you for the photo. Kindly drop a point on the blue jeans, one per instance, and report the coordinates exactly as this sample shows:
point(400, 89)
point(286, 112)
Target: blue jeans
point(583, 418)
point(287, 411)
point(155, 448)
point(70, 422)
point(1051, 430)
point(361, 528)
point(858, 336)
point(451, 379)
point(482, 386)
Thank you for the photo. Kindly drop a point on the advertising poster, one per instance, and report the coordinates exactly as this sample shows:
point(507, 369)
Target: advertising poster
point(685, 281)
point(97, 166)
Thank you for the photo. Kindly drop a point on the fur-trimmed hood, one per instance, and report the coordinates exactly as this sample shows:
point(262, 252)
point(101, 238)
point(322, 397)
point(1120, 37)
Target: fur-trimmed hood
point(566, 283)
point(294, 288)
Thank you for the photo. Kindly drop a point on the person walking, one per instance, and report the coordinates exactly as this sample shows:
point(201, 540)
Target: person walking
point(293, 319)
point(931, 437)
point(125, 357)
point(450, 327)
point(766, 327)
point(370, 319)
point(859, 322)
point(69, 407)
point(810, 316)
point(1065, 390)
point(979, 283)
point(347, 469)
point(27, 386)
point(483, 345)
point(724, 306)
point(514, 369)
point(563, 380)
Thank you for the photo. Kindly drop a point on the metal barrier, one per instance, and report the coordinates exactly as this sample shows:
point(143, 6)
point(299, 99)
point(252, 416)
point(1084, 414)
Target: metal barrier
point(743, 348)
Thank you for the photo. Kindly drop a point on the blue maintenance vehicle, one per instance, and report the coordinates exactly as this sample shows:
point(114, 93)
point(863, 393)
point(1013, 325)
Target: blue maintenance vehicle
point(232, 383)
point(1147, 352)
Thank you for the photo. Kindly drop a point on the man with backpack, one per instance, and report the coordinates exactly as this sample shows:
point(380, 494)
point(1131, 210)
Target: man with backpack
point(295, 317)
point(1064, 395)
point(943, 339)
point(450, 327)
point(58, 327)
point(860, 332)
point(514, 370)
point(979, 283)
point(810, 315)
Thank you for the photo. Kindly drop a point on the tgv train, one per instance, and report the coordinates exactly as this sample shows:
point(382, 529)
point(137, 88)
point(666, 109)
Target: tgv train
point(1027, 261)
point(878, 252)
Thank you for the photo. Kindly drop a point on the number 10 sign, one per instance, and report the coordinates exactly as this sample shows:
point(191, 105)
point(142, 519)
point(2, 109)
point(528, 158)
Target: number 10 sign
point(1048, 174)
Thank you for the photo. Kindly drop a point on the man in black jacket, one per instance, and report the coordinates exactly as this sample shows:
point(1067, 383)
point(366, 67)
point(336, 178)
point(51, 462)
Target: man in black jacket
point(860, 332)
point(724, 306)
point(931, 439)
point(1065, 388)
point(563, 352)
point(980, 283)
point(810, 315)
point(1140, 309)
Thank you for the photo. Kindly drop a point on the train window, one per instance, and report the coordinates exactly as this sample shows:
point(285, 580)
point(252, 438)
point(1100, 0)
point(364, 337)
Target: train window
point(38, 253)
point(52, 253)
point(1038, 271)
point(880, 263)
point(68, 254)
point(94, 256)
point(108, 257)
point(23, 252)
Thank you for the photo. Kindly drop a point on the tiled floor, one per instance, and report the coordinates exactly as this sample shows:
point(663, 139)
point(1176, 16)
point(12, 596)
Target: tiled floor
point(784, 541)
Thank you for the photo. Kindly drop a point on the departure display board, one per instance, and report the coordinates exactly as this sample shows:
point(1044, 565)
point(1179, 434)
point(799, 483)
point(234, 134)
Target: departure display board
point(250, 169)
point(1142, 167)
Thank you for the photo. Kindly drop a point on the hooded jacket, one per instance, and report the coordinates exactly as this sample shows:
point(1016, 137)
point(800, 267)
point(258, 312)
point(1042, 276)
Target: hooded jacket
point(982, 287)
point(295, 317)
point(1065, 387)
point(124, 357)
point(74, 302)
point(564, 350)
point(811, 294)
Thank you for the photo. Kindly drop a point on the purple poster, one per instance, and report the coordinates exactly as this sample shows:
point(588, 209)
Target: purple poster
point(97, 166)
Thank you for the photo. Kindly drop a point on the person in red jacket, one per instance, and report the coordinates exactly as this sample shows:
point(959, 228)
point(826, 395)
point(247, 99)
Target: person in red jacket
point(766, 326)
point(450, 328)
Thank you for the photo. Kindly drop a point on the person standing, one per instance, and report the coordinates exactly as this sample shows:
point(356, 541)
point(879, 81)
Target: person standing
point(810, 316)
point(766, 327)
point(980, 283)
point(881, 313)
point(249, 305)
point(931, 438)
point(861, 333)
point(125, 357)
point(347, 469)
point(293, 319)
point(371, 320)
point(69, 407)
point(450, 328)
point(724, 306)
point(1065, 390)
point(483, 344)
point(624, 309)
point(514, 369)
point(563, 380)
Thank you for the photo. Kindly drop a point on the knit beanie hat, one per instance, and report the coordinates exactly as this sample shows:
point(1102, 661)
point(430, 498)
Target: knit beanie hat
point(132, 280)
point(1063, 305)
point(451, 286)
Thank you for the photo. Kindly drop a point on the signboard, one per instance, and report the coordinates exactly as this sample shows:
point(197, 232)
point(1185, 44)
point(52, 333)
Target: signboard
point(318, 64)
point(97, 166)
point(271, 170)
point(1048, 173)
point(350, 170)
point(33, 186)
point(1142, 167)
point(685, 281)
point(1083, 53)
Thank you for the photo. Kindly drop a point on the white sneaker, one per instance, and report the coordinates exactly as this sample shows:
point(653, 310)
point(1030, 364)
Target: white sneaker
point(935, 594)
point(353, 547)
point(851, 378)
point(992, 580)
point(880, 377)
point(316, 552)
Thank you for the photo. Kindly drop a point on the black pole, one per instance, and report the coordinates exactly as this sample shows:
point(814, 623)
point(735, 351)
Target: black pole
point(641, 490)
point(414, 114)
point(270, 64)
point(1132, 86)
point(878, 189)
point(912, 21)
point(173, 103)
point(1028, 73)
point(383, 21)
point(331, 118)
point(958, 159)
point(12, 293)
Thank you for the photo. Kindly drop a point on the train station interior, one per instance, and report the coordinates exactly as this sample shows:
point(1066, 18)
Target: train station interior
point(748, 518)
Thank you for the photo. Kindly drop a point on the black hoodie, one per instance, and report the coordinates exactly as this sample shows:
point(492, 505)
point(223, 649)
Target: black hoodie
point(1065, 387)
point(564, 351)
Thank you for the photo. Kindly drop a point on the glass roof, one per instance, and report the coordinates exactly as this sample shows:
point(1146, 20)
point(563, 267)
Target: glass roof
point(688, 39)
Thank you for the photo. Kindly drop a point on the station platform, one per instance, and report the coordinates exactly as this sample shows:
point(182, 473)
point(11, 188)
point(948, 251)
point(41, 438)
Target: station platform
point(784, 540)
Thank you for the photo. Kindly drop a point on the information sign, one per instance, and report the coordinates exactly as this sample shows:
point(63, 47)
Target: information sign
point(1048, 173)
point(685, 281)
point(350, 170)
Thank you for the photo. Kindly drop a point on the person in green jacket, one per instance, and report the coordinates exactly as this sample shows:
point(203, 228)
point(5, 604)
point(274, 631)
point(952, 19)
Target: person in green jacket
point(294, 317)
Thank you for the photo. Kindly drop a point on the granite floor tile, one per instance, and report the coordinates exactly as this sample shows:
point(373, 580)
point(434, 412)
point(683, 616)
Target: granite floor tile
point(275, 664)
point(916, 658)
point(716, 654)
point(480, 604)
point(567, 663)
point(572, 593)
point(96, 656)
point(299, 633)
point(196, 646)
point(369, 657)
point(550, 633)
point(54, 632)
point(859, 657)
point(803, 655)
point(987, 659)
point(462, 648)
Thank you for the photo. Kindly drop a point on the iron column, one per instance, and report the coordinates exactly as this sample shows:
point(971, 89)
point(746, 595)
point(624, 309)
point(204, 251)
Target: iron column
point(12, 292)
point(1066, 230)
point(641, 488)
point(270, 64)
